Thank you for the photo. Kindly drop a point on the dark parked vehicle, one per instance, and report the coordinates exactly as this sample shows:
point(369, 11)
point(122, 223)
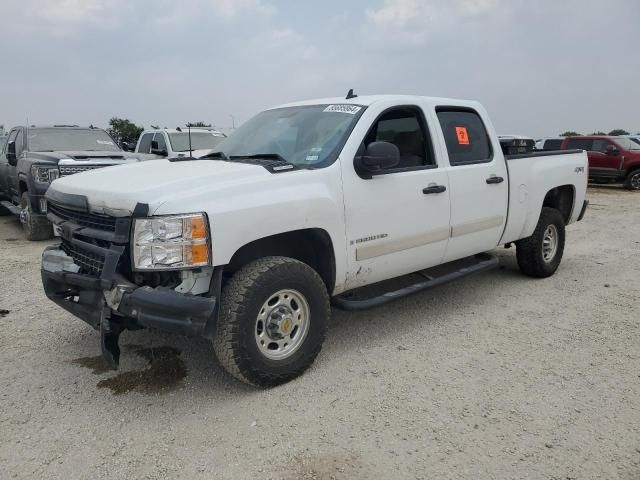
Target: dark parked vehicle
point(611, 159)
point(33, 157)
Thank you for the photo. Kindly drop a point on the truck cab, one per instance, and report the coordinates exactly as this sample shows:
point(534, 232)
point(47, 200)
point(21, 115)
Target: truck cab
point(179, 142)
point(611, 159)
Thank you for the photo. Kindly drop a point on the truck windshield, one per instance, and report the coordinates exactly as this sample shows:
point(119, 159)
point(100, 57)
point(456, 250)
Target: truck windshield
point(199, 141)
point(67, 139)
point(305, 136)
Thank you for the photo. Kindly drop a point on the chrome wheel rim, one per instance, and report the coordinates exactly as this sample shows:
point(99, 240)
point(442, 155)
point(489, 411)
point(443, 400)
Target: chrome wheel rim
point(550, 243)
point(635, 181)
point(282, 324)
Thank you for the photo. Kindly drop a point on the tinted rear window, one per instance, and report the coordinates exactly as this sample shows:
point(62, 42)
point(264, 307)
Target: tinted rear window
point(465, 135)
point(579, 144)
point(552, 144)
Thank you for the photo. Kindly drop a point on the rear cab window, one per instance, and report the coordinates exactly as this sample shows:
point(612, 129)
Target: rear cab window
point(465, 136)
point(580, 144)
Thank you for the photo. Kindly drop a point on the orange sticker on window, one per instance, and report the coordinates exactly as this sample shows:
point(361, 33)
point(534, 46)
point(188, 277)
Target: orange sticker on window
point(463, 135)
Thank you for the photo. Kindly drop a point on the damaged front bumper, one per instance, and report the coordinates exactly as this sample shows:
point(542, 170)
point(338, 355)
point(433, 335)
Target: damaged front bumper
point(114, 304)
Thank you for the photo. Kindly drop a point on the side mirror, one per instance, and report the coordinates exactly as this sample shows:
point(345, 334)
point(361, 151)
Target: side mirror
point(11, 154)
point(377, 157)
point(611, 150)
point(128, 147)
point(158, 151)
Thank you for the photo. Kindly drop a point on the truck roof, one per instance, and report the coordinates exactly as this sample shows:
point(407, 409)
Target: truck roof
point(367, 100)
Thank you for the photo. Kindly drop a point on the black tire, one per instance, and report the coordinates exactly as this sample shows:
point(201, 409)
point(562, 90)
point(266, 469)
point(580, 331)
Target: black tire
point(633, 180)
point(243, 299)
point(36, 226)
point(530, 252)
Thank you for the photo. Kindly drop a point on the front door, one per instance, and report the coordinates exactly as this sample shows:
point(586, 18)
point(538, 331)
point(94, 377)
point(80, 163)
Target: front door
point(479, 183)
point(397, 221)
point(605, 158)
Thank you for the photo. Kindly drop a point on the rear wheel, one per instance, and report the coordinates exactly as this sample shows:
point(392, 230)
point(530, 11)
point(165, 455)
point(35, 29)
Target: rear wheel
point(36, 226)
point(633, 180)
point(273, 319)
point(540, 254)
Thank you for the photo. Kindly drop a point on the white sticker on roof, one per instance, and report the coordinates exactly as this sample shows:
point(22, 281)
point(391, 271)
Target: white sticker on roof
point(104, 142)
point(350, 109)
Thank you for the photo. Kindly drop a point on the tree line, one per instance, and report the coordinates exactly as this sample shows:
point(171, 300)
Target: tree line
point(614, 133)
point(123, 130)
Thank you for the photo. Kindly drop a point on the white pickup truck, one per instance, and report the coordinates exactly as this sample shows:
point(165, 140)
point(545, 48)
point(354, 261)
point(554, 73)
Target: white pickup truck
point(178, 142)
point(306, 204)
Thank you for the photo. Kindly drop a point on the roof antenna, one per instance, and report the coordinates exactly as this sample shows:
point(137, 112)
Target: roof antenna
point(351, 95)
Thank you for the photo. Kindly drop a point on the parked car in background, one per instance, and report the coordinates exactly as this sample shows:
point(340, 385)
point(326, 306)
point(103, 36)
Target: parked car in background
point(611, 159)
point(549, 144)
point(179, 142)
point(633, 138)
point(33, 157)
point(304, 204)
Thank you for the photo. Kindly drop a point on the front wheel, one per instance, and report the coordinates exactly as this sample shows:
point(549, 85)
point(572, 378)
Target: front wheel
point(273, 319)
point(35, 226)
point(540, 254)
point(633, 180)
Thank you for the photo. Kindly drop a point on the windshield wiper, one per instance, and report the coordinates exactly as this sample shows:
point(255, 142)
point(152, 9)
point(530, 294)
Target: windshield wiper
point(215, 156)
point(260, 156)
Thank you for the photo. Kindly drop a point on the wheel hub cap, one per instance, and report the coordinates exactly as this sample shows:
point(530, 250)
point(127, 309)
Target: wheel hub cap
point(635, 181)
point(550, 243)
point(282, 324)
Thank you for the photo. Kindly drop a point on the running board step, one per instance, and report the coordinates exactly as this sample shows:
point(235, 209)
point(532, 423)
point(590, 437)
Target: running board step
point(11, 207)
point(388, 291)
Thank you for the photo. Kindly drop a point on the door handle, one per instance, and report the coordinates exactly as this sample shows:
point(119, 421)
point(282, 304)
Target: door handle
point(494, 180)
point(434, 189)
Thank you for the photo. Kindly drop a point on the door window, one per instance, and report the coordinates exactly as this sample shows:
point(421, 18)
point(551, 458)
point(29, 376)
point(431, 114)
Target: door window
point(145, 143)
point(580, 144)
point(465, 135)
point(12, 137)
point(600, 145)
point(406, 129)
point(19, 143)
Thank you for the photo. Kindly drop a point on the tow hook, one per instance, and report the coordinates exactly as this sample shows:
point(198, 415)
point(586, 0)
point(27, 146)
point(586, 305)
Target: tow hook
point(109, 336)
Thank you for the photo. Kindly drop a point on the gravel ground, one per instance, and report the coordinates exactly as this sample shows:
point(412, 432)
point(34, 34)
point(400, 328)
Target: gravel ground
point(495, 376)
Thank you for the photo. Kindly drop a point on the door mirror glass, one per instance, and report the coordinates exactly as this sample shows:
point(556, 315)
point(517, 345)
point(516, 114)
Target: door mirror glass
point(11, 154)
point(377, 157)
point(612, 150)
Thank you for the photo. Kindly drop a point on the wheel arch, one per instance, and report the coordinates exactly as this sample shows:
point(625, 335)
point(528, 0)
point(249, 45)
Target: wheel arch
point(312, 246)
point(561, 198)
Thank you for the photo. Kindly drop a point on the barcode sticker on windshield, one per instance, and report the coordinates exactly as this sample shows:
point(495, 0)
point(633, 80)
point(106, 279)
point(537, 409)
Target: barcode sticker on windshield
point(350, 109)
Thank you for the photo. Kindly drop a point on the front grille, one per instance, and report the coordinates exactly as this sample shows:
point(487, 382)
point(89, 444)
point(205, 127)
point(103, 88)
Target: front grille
point(70, 170)
point(91, 220)
point(88, 262)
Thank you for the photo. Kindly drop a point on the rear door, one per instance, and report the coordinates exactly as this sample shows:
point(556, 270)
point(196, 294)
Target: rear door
point(397, 221)
point(478, 181)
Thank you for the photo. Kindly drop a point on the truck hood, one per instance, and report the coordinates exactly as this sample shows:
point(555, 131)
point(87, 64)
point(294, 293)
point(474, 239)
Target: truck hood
point(116, 191)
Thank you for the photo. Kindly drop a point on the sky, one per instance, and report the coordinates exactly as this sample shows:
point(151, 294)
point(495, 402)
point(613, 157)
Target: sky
point(539, 67)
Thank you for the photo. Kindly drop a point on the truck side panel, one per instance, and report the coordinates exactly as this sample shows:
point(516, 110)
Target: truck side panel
point(531, 178)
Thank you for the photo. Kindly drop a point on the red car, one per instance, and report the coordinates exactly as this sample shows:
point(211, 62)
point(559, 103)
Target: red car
point(611, 159)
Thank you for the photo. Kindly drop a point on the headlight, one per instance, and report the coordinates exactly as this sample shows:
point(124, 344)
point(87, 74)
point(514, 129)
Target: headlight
point(43, 174)
point(171, 242)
